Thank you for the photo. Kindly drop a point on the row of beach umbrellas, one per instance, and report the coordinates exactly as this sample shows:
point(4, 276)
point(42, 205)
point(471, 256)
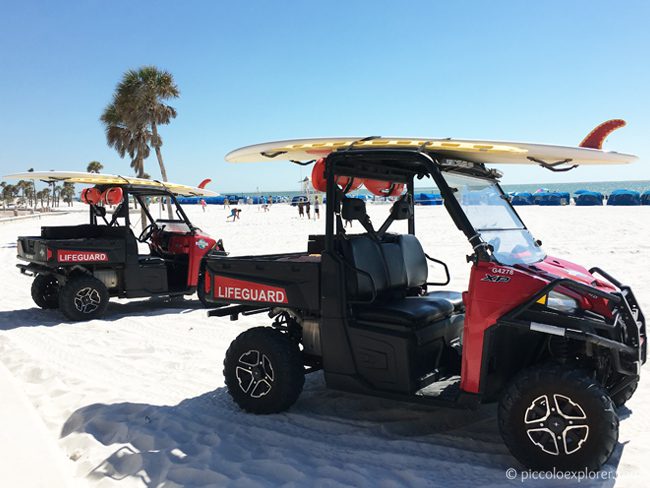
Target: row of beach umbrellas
point(582, 198)
point(542, 197)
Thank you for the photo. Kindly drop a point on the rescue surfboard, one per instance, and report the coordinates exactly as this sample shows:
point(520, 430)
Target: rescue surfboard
point(108, 179)
point(478, 151)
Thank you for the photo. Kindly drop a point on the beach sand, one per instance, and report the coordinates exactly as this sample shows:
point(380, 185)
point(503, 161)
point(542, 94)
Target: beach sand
point(138, 398)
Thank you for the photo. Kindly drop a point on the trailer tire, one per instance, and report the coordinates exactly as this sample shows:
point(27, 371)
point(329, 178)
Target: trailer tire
point(264, 371)
point(552, 416)
point(45, 291)
point(83, 298)
point(625, 394)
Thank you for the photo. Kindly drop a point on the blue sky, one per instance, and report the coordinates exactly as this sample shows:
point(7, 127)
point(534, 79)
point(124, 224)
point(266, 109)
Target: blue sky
point(257, 71)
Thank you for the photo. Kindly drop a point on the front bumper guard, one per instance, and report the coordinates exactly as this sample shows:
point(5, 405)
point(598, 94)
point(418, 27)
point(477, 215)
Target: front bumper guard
point(627, 354)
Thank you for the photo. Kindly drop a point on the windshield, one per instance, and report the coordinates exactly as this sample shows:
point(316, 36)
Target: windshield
point(494, 220)
point(176, 226)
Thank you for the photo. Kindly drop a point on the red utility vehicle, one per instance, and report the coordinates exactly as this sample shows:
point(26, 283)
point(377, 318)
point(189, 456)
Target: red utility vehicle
point(77, 268)
point(557, 345)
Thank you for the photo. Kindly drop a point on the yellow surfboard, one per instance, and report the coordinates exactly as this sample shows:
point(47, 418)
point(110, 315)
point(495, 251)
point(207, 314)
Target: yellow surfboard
point(106, 179)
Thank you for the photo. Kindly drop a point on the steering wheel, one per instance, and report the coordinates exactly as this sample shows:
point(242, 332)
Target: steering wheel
point(147, 232)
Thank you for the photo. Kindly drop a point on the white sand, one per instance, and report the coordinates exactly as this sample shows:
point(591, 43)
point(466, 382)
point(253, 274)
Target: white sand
point(137, 399)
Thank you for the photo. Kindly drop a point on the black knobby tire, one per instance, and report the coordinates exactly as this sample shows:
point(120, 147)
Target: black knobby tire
point(45, 291)
point(264, 371)
point(83, 298)
point(625, 394)
point(534, 409)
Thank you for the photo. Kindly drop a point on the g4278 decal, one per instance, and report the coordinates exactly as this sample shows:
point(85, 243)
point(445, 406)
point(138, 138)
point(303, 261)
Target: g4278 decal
point(496, 279)
point(502, 271)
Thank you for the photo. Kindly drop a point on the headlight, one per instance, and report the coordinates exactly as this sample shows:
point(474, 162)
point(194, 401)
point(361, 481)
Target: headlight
point(561, 302)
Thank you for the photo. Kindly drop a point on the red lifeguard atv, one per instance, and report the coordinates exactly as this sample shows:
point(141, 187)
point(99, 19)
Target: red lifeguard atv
point(77, 268)
point(558, 346)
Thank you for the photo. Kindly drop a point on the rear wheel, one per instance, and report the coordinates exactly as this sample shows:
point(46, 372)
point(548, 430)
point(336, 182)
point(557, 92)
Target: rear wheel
point(83, 298)
point(557, 417)
point(45, 291)
point(264, 371)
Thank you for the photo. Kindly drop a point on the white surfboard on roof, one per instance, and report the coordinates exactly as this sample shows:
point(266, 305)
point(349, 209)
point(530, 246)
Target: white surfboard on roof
point(108, 179)
point(480, 151)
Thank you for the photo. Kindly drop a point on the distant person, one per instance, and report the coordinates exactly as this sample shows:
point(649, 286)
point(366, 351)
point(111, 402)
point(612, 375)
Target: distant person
point(226, 203)
point(316, 208)
point(308, 209)
point(301, 208)
point(203, 204)
point(234, 213)
point(270, 200)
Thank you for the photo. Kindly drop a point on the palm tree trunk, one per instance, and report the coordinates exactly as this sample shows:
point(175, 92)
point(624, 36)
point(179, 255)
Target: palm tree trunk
point(140, 172)
point(163, 172)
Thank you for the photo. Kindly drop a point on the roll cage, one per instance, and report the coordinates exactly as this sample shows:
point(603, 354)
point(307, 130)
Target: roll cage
point(404, 166)
point(139, 195)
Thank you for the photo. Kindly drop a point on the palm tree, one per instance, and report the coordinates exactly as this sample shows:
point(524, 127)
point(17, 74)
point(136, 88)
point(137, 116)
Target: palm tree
point(30, 193)
point(127, 139)
point(67, 193)
point(94, 167)
point(124, 138)
point(39, 197)
point(32, 190)
point(47, 194)
point(140, 98)
point(131, 120)
point(56, 193)
point(22, 186)
point(9, 193)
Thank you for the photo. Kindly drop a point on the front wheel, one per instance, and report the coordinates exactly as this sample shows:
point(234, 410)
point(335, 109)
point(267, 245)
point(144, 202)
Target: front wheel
point(264, 370)
point(557, 417)
point(621, 397)
point(45, 291)
point(83, 298)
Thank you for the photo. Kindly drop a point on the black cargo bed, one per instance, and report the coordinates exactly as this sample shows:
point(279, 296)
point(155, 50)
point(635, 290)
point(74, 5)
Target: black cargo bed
point(289, 280)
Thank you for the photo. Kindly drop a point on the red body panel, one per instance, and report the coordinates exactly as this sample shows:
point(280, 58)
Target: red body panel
point(195, 245)
point(495, 290)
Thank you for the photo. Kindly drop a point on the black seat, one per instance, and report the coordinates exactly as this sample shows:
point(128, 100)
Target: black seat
point(384, 271)
point(378, 283)
point(455, 298)
point(412, 312)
